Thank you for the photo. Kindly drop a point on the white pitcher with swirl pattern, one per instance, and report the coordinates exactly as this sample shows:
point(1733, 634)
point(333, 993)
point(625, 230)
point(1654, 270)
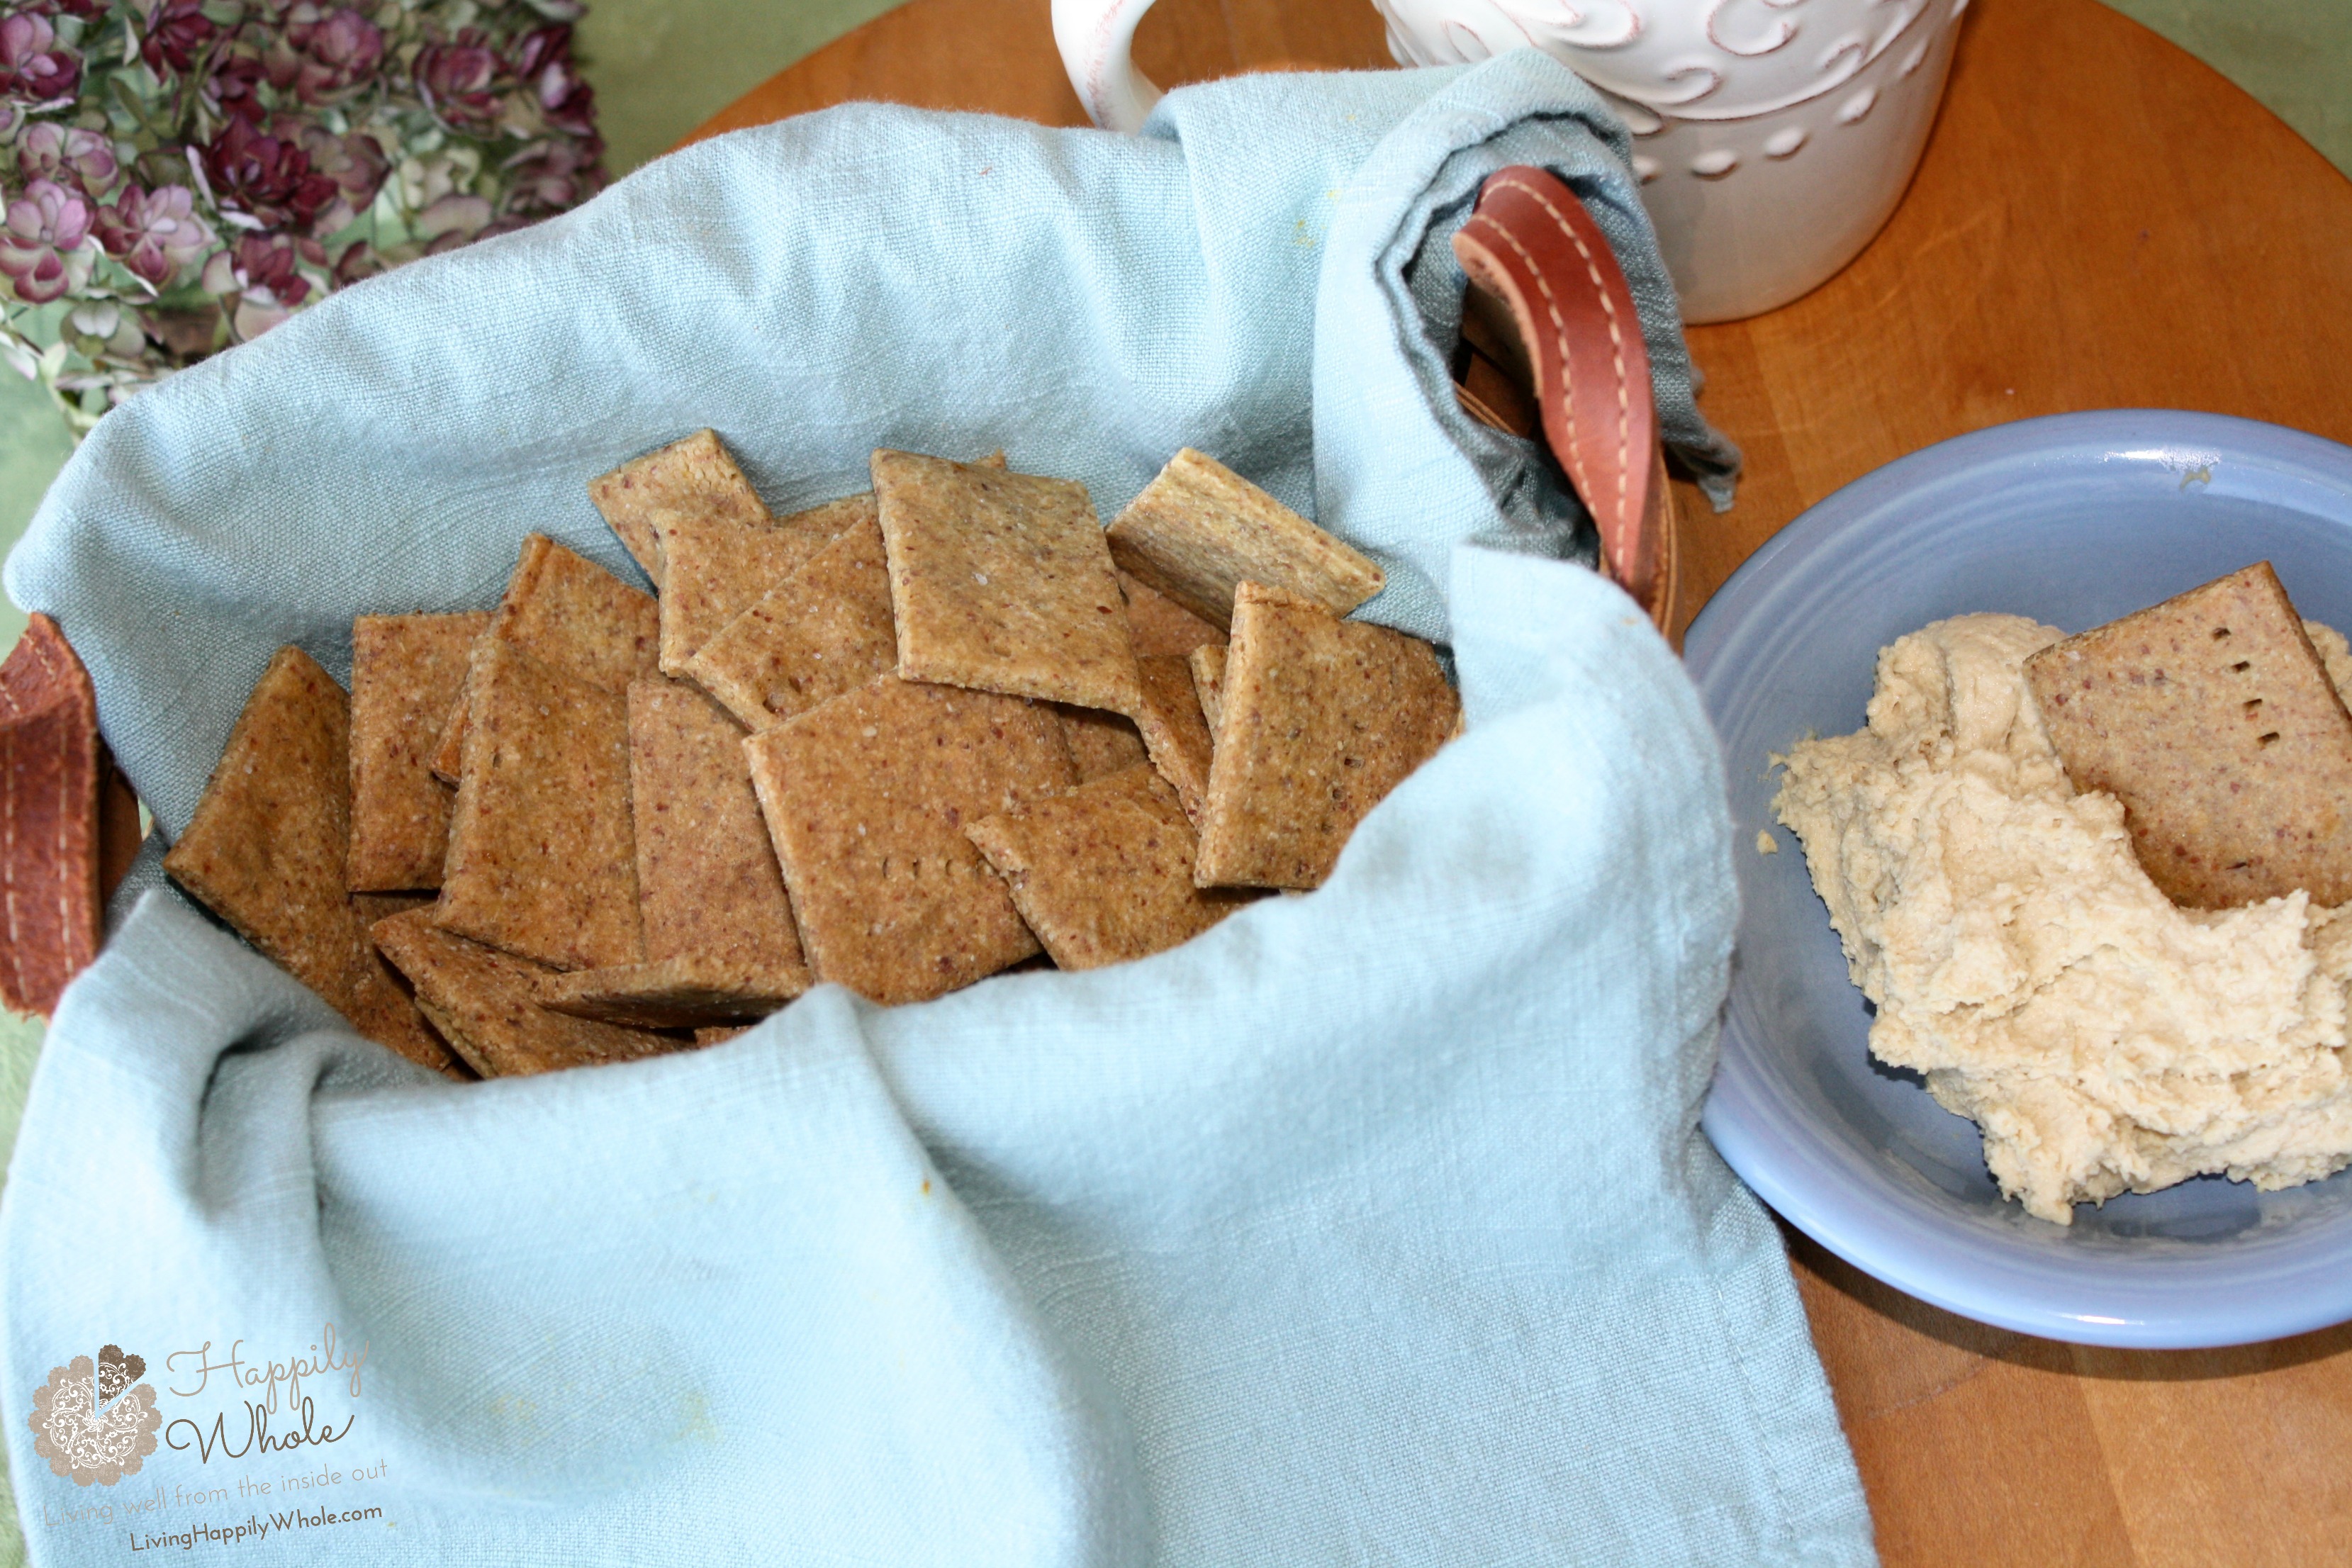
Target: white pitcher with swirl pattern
point(1772, 137)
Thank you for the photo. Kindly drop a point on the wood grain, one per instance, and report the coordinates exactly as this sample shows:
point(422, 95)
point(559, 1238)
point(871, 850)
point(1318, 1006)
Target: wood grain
point(2100, 221)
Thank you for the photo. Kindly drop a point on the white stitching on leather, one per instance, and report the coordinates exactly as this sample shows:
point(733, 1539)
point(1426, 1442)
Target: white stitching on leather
point(1551, 307)
point(1616, 344)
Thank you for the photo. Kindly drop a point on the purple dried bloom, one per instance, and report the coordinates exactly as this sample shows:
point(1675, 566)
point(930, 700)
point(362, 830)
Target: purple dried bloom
point(235, 88)
point(34, 67)
point(64, 154)
point(355, 162)
point(461, 80)
point(543, 62)
point(324, 54)
point(550, 175)
point(265, 176)
point(359, 260)
point(44, 224)
point(155, 233)
point(177, 32)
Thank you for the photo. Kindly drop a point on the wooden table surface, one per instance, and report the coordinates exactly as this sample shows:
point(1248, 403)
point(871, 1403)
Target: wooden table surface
point(2100, 221)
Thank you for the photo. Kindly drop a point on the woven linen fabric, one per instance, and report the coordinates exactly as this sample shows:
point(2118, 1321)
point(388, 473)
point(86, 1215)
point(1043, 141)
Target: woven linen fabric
point(1372, 1225)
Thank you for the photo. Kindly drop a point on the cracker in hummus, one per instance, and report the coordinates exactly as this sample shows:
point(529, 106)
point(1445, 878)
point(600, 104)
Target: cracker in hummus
point(2210, 716)
point(2102, 1040)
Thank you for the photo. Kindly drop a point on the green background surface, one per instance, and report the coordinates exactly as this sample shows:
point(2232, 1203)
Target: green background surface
point(662, 66)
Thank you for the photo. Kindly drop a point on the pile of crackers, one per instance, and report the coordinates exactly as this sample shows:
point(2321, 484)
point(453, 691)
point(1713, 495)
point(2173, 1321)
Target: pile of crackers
point(900, 742)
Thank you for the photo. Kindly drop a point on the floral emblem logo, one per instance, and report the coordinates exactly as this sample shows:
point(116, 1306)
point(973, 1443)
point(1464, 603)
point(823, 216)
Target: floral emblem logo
point(95, 1423)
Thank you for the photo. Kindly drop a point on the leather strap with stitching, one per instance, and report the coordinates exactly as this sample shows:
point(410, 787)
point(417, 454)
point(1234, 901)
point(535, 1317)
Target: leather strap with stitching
point(69, 824)
point(1530, 244)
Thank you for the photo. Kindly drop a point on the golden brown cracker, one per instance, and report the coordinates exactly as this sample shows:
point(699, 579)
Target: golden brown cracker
point(267, 847)
point(1105, 873)
point(449, 750)
point(1322, 718)
point(1001, 582)
point(406, 671)
point(384, 999)
point(1175, 732)
point(720, 1034)
point(1101, 743)
point(714, 568)
point(569, 613)
point(1208, 666)
point(1157, 624)
point(565, 611)
point(708, 884)
point(486, 1004)
point(2212, 718)
point(866, 798)
point(675, 992)
point(695, 475)
point(542, 860)
point(825, 629)
point(1200, 530)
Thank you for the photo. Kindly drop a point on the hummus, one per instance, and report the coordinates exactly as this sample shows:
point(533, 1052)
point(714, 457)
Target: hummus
point(2103, 1040)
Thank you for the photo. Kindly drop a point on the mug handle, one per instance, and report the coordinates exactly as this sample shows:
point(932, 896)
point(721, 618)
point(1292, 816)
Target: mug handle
point(1540, 268)
point(1096, 38)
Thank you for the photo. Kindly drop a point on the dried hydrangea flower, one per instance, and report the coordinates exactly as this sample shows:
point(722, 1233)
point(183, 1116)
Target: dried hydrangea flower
point(41, 242)
point(155, 233)
point(184, 173)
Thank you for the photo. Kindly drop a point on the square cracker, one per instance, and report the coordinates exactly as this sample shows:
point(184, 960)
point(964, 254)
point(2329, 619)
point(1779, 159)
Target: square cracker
point(566, 611)
point(1105, 873)
point(1175, 732)
point(542, 860)
point(674, 993)
point(1001, 582)
point(694, 474)
point(2212, 718)
point(825, 629)
point(267, 847)
point(866, 797)
point(406, 671)
point(486, 1004)
point(708, 884)
point(1157, 623)
point(1100, 743)
point(1322, 718)
point(1200, 530)
point(714, 568)
point(1208, 663)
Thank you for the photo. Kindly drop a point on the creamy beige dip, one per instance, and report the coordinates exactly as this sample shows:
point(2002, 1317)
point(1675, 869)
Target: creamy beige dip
point(2102, 1039)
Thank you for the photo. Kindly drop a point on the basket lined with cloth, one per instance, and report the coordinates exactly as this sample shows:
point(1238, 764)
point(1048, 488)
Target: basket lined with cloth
point(1374, 1223)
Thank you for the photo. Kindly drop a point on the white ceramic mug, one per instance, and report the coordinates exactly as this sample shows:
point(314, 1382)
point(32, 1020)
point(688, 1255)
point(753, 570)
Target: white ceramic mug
point(1772, 137)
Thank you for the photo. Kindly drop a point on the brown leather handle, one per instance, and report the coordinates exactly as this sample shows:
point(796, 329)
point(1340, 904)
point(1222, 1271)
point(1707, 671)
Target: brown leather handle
point(68, 823)
point(1546, 286)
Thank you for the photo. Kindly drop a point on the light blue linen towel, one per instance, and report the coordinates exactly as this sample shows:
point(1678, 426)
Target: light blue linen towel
point(1372, 1227)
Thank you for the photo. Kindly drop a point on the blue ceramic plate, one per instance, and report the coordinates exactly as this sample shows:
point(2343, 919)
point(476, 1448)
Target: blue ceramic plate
point(2072, 519)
